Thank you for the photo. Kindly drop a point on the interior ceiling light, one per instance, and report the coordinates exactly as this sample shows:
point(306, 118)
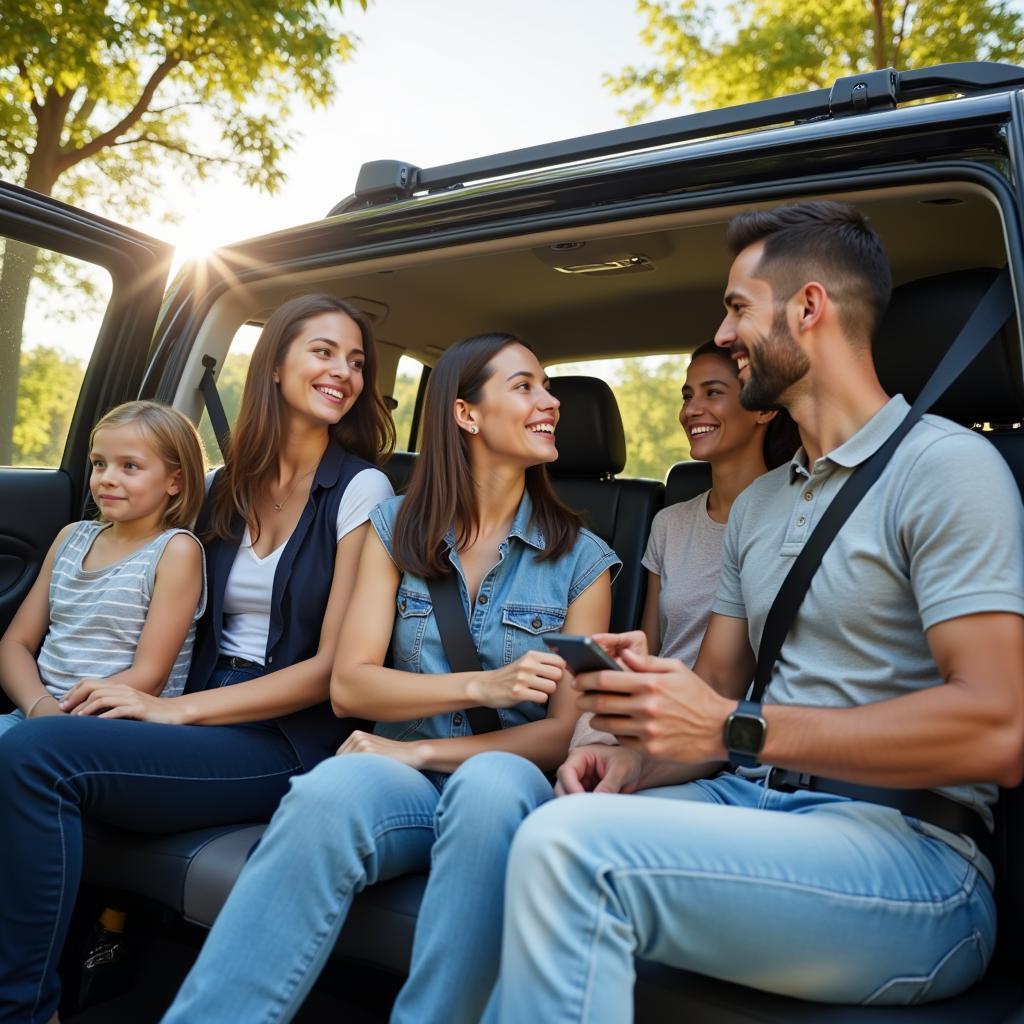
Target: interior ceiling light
point(604, 257)
point(619, 265)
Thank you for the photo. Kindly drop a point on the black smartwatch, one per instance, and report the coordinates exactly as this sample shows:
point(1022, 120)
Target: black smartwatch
point(745, 731)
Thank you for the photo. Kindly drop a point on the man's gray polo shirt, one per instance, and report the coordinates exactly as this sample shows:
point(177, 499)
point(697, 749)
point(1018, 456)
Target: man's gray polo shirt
point(940, 535)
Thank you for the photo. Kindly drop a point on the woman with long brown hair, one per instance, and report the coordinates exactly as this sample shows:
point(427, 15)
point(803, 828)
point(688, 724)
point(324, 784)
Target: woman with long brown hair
point(283, 527)
point(481, 515)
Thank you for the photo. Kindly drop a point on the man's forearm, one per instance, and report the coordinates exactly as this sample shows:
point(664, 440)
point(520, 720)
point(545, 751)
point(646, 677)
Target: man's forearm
point(940, 736)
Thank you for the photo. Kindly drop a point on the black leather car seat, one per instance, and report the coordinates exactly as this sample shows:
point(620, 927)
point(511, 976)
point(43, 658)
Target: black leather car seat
point(591, 453)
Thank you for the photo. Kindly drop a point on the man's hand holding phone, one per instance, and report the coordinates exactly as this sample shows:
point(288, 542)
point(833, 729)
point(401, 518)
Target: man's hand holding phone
point(657, 706)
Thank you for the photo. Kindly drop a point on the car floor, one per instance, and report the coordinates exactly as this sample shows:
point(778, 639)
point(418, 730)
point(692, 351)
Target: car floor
point(355, 994)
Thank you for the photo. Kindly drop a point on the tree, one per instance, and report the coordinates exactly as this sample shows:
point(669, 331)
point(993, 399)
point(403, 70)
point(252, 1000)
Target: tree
point(710, 55)
point(92, 91)
point(50, 382)
point(647, 392)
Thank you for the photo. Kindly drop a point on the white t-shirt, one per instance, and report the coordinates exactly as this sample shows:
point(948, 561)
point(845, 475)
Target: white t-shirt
point(250, 584)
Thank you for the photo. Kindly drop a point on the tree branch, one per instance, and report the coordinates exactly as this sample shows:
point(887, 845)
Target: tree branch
point(176, 106)
point(901, 31)
point(177, 147)
point(34, 104)
point(107, 138)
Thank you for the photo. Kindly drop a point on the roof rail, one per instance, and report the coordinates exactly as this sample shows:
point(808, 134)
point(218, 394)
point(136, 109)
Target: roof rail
point(384, 180)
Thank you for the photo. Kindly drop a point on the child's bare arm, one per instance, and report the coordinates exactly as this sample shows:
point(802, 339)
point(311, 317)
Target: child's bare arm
point(176, 589)
point(19, 674)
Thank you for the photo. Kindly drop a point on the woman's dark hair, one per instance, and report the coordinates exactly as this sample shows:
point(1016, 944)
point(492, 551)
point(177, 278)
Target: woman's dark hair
point(441, 492)
point(366, 430)
point(782, 438)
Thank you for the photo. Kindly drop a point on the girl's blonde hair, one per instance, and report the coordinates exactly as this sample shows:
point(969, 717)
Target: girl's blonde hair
point(178, 444)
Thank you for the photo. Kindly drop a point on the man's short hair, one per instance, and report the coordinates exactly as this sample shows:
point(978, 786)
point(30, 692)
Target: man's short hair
point(825, 241)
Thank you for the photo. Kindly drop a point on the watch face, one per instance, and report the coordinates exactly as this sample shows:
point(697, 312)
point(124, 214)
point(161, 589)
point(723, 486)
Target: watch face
point(746, 734)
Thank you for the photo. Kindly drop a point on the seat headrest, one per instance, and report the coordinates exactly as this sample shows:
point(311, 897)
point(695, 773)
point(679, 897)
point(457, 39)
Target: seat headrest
point(686, 480)
point(591, 441)
point(923, 319)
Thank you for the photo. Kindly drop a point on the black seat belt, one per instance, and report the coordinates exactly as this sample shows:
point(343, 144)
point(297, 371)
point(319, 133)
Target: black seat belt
point(458, 644)
point(991, 313)
point(214, 406)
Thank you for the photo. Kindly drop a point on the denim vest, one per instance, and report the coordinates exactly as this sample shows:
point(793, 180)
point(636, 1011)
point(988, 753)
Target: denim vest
point(519, 600)
point(297, 611)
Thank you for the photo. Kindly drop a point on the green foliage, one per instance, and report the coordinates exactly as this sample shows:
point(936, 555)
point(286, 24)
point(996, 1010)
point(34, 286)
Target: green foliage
point(110, 84)
point(229, 385)
point(406, 386)
point(711, 54)
point(647, 389)
point(47, 393)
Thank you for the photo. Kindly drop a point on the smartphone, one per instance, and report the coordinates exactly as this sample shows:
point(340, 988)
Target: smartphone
point(581, 653)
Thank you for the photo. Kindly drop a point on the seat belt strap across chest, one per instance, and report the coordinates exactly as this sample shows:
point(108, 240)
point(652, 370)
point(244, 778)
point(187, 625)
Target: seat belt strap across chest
point(458, 644)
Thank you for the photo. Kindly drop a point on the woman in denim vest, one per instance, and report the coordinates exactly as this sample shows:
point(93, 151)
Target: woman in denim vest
point(283, 529)
point(479, 506)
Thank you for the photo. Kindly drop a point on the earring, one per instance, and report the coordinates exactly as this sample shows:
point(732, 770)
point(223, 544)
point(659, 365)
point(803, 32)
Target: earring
point(474, 429)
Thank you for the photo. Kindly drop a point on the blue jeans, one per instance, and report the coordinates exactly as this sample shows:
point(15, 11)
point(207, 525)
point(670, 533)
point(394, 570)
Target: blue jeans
point(804, 894)
point(135, 775)
point(353, 821)
point(10, 720)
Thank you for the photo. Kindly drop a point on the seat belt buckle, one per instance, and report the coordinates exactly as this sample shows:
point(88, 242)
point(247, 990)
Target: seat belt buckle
point(785, 781)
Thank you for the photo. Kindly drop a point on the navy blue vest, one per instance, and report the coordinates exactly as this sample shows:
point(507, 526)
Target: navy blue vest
point(297, 611)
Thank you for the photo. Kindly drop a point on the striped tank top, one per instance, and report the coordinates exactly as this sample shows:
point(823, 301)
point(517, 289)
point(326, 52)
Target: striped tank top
point(97, 615)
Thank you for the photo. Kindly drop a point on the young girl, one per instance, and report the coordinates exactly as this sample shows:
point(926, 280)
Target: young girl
point(479, 508)
point(283, 528)
point(117, 599)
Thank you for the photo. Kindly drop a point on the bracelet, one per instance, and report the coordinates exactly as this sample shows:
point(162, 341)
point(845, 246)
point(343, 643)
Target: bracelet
point(36, 702)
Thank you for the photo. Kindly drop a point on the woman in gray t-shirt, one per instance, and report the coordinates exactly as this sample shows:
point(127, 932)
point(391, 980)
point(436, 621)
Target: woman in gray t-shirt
point(684, 551)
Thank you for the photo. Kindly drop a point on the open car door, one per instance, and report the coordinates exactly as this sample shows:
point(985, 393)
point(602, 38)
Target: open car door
point(79, 298)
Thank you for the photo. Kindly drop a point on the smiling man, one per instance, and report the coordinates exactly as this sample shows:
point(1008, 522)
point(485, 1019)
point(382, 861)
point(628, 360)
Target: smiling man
point(904, 672)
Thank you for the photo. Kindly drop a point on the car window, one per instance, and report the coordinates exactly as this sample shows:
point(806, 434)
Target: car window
point(230, 382)
point(51, 310)
point(407, 385)
point(647, 391)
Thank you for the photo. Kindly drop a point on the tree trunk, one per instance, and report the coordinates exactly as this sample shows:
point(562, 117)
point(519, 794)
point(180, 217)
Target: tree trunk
point(15, 280)
point(878, 25)
point(19, 265)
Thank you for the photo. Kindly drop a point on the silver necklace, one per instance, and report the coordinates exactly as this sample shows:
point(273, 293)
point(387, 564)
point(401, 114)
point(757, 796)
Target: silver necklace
point(278, 505)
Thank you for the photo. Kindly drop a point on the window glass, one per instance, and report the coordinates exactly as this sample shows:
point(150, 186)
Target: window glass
point(230, 382)
point(51, 309)
point(647, 389)
point(407, 384)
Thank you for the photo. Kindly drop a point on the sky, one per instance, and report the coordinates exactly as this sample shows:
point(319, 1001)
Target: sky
point(430, 83)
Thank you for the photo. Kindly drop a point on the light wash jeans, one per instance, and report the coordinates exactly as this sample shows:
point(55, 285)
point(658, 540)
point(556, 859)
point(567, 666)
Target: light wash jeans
point(352, 821)
point(804, 894)
point(11, 719)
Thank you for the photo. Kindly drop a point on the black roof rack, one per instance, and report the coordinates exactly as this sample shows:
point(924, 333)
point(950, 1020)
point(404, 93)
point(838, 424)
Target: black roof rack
point(384, 180)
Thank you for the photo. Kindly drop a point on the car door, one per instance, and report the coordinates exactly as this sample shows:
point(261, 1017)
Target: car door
point(79, 298)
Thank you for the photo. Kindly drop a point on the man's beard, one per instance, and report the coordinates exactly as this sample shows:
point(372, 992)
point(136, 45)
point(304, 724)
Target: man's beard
point(775, 365)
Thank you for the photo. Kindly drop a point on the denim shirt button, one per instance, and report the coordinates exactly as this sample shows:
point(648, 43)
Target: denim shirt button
point(537, 623)
point(482, 599)
point(457, 719)
point(402, 605)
